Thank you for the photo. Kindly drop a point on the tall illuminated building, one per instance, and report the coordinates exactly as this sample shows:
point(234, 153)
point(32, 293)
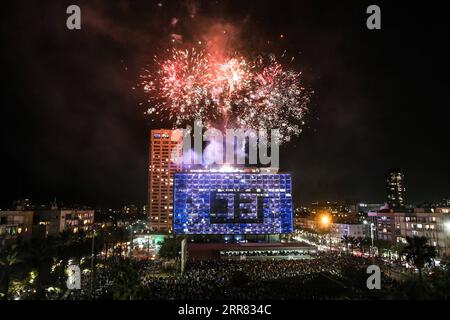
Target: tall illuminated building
point(239, 202)
point(164, 144)
point(395, 187)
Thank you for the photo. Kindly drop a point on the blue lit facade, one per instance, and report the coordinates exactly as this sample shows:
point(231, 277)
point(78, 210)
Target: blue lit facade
point(232, 203)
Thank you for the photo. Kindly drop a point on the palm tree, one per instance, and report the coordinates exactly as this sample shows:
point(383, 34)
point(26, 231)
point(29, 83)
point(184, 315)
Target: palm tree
point(126, 282)
point(64, 245)
point(363, 243)
point(418, 252)
point(170, 248)
point(397, 249)
point(8, 259)
point(346, 240)
point(39, 255)
point(349, 241)
point(113, 236)
point(382, 246)
point(121, 236)
point(353, 242)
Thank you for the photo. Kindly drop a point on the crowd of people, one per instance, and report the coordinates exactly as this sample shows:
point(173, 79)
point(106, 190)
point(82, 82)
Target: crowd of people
point(321, 275)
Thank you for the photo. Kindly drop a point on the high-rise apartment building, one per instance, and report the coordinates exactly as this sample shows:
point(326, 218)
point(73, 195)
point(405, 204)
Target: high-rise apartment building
point(164, 144)
point(395, 226)
point(395, 189)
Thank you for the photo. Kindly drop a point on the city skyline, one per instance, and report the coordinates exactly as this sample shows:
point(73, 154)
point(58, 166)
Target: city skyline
point(88, 144)
point(224, 157)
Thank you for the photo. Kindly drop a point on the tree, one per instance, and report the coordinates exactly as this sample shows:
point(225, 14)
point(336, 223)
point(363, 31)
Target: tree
point(419, 253)
point(353, 242)
point(126, 282)
point(112, 236)
point(9, 257)
point(364, 243)
point(397, 249)
point(121, 235)
point(170, 248)
point(349, 241)
point(39, 254)
point(75, 245)
point(382, 246)
point(65, 244)
point(345, 239)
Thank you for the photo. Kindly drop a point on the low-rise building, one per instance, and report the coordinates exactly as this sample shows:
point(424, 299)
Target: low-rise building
point(32, 224)
point(340, 212)
point(15, 225)
point(355, 230)
point(58, 220)
point(335, 230)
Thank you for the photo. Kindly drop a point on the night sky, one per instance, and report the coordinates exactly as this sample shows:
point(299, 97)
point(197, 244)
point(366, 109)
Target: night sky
point(72, 127)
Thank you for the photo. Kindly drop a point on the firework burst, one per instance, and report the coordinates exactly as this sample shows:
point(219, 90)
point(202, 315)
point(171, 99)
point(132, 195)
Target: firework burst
point(178, 89)
point(276, 99)
point(239, 93)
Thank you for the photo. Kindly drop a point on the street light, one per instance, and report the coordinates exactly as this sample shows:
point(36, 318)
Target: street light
point(325, 223)
point(92, 262)
point(371, 225)
point(325, 220)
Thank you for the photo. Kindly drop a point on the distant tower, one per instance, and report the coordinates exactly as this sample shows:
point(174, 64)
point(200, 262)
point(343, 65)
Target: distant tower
point(395, 188)
point(54, 205)
point(161, 170)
